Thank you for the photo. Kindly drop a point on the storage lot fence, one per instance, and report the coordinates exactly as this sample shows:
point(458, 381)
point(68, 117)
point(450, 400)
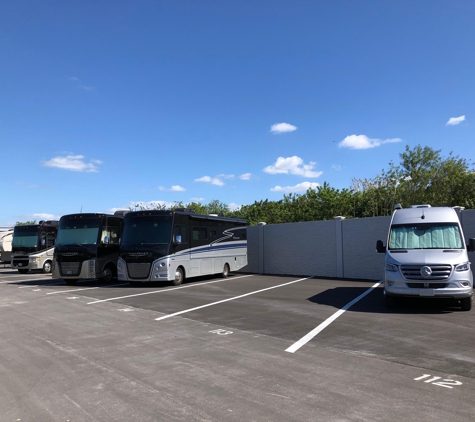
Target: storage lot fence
point(338, 248)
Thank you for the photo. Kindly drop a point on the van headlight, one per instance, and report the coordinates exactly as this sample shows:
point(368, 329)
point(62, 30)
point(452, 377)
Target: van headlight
point(465, 266)
point(391, 267)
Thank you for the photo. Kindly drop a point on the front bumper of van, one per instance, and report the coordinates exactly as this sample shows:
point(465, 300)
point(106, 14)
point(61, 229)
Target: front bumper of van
point(458, 286)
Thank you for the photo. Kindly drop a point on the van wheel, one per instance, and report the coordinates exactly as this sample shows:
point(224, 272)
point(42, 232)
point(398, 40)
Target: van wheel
point(107, 275)
point(466, 303)
point(225, 272)
point(47, 267)
point(179, 277)
point(22, 271)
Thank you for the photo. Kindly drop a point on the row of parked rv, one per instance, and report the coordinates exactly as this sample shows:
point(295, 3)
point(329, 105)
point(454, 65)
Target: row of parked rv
point(425, 253)
point(137, 247)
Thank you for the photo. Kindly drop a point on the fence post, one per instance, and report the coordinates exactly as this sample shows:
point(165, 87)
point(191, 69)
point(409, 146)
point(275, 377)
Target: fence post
point(261, 247)
point(339, 246)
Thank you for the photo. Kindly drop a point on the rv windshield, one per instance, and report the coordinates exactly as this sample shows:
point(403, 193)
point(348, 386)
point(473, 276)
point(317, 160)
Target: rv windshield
point(25, 236)
point(78, 230)
point(140, 230)
point(425, 236)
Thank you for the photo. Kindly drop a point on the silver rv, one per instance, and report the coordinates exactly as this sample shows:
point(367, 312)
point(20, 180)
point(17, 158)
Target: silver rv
point(426, 256)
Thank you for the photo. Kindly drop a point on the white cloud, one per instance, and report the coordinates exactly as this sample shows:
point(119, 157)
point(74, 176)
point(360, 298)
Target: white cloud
point(42, 216)
point(301, 187)
point(293, 165)
point(215, 180)
point(233, 206)
point(197, 199)
point(245, 176)
point(74, 79)
point(336, 167)
point(455, 121)
point(363, 142)
point(174, 188)
point(73, 163)
point(87, 88)
point(282, 128)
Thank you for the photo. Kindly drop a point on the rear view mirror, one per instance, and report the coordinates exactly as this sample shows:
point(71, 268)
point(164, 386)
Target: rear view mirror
point(380, 248)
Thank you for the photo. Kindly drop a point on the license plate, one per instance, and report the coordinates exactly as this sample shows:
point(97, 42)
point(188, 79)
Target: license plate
point(426, 292)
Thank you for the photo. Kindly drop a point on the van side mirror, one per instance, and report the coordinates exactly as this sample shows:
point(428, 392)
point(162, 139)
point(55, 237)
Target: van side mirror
point(380, 248)
point(471, 245)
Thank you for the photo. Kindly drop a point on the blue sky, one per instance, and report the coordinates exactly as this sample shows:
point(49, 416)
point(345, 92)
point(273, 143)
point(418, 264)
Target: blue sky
point(107, 104)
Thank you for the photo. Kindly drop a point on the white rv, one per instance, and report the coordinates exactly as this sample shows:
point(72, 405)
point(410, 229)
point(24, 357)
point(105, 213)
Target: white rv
point(33, 246)
point(174, 245)
point(6, 245)
point(426, 256)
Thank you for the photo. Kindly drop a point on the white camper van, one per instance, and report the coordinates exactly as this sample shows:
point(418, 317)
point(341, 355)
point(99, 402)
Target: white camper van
point(426, 256)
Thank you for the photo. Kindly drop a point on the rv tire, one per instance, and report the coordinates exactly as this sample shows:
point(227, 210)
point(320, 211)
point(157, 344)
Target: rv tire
point(225, 272)
point(47, 267)
point(179, 276)
point(22, 271)
point(107, 275)
point(466, 303)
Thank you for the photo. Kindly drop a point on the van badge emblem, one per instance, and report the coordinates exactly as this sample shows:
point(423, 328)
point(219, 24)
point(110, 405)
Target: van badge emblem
point(426, 271)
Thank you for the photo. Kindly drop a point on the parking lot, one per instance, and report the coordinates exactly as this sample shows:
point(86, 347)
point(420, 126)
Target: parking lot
point(246, 348)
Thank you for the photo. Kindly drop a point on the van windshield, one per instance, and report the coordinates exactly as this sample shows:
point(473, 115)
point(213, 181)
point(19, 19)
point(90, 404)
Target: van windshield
point(425, 236)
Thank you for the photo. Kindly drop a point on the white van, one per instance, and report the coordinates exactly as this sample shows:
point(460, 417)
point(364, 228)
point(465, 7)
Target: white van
point(426, 256)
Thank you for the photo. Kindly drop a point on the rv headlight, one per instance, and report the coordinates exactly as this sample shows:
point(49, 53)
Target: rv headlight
point(463, 267)
point(391, 267)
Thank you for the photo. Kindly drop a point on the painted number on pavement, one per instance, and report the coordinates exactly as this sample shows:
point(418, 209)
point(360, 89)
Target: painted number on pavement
point(221, 332)
point(433, 380)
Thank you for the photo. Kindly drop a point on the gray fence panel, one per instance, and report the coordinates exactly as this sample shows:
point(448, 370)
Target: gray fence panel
point(307, 248)
point(360, 259)
point(313, 248)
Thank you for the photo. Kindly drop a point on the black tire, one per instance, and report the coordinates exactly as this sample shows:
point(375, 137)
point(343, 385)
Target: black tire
point(225, 272)
point(47, 267)
point(466, 303)
point(108, 275)
point(22, 270)
point(179, 277)
point(71, 281)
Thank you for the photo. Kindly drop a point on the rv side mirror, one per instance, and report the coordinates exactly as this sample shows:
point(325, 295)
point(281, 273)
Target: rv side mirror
point(380, 248)
point(106, 240)
point(177, 240)
point(471, 245)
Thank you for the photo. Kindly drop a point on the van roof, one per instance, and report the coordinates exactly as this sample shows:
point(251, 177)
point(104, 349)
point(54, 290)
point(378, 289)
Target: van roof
point(431, 215)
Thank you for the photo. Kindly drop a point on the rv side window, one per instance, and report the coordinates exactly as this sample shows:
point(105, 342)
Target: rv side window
point(180, 234)
point(112, 232)
point(49, 240)
point(199, 233)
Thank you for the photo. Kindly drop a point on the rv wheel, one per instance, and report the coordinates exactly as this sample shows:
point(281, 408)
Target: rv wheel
point(179, 276)
point(22, 271)
point(107, 275)
point(47, 267)
point(225, 272)
point(466, 303)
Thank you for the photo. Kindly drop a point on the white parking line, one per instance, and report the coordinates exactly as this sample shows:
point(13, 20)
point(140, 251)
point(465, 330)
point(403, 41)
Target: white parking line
point(231, 298)
point(305, 339)
point(85, 288)
point(167, 290)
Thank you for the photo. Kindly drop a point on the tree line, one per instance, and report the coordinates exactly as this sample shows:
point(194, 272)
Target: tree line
point(423, 176)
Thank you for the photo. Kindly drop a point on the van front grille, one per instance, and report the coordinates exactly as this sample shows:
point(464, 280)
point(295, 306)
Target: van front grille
point(437, 272)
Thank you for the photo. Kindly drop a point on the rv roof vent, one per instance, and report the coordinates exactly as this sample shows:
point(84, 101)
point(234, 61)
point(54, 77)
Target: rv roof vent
point(420, 206)
point(398, 207)
point(121, 212)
